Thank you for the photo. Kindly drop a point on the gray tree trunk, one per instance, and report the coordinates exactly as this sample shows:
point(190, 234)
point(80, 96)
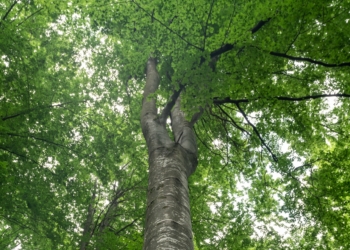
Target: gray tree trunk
point(171, 162)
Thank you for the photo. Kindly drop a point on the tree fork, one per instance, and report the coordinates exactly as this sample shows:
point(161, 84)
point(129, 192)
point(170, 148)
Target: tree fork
point(168, 220)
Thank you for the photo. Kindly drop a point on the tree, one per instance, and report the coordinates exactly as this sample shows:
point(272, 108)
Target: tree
point(218, 56)
point(255, 81)
point(59, 154)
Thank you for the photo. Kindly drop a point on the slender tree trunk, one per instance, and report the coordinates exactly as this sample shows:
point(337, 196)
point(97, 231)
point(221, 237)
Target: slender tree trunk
point(88, 223)
point(168, 219)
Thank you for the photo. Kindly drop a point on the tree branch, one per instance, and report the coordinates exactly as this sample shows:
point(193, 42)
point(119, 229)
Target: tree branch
point(229, 138)
point(259, 25)
point(205, 145)
point(223, 49)
point(39, 139)
point(274, 157)
point(125, 227)
point(26, 158)
point(8, 12)
point(305, 59)
point(88, 222)
point(303, 98)
point(183, 132)
point(25, 19)
point(233, 122)
point(297, 35)
point(110, 212)
point(37, 108)
point(281, 98)
point(167, 109)
point(216, 100)
point(152, 83)
point(228, 47)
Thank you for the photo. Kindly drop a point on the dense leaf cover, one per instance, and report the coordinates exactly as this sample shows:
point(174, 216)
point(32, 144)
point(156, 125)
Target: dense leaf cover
point(272, 77)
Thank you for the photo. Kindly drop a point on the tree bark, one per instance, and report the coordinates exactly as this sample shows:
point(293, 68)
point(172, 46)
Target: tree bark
point(171, 162)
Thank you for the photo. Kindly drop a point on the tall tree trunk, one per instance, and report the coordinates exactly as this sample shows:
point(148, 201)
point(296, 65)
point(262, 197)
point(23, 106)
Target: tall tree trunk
point(168, 219)
point(88, 222)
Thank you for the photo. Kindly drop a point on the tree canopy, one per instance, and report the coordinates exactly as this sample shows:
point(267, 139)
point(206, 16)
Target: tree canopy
point(272, 80)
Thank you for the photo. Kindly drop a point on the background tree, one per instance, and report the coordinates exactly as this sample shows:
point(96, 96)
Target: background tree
point(271, 77)
point(58, 148)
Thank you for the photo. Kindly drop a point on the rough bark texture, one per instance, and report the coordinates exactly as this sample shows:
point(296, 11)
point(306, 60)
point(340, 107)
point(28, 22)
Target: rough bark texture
point(168, 219)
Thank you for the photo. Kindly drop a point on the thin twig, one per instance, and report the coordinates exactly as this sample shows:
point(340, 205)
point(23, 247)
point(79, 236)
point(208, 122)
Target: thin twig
point(274, 157)
point(233, 121)
point(125, 227)
point(305, 59)
point(19, 24)
point(38, 108)
point(205, 145)
point(26, 158)
point(8, 12)
point(297, 35)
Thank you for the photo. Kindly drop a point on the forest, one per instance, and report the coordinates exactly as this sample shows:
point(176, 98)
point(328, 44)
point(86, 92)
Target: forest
point(168, 124)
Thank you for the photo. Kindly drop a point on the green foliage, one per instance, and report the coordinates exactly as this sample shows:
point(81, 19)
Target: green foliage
point(72, 74)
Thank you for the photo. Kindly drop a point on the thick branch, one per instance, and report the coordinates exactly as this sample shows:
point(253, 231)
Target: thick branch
point(281, 98)
point(228, 47)
point(305, 59)
point(167, 109)
point(216, 100)
point(223, 49)
point(152, 83)
point(182, 129)
point(274, 157)
point(153, 130)
point(233, 122)
point(259, 25)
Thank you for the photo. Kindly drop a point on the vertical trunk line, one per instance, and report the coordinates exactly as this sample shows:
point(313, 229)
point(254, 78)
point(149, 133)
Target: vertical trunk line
point(88, 222)
point(168, 218)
